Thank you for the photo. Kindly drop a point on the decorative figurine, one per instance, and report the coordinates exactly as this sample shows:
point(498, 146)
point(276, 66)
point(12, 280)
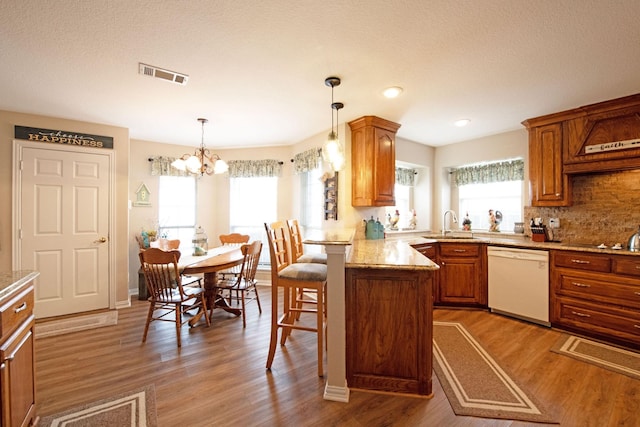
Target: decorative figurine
point(494, 220)
point(394, 220)
point(466, 223)
point(413, 221)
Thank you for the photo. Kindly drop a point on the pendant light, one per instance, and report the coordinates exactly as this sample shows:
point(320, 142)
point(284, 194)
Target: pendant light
point(332, 151)
point(202, 161)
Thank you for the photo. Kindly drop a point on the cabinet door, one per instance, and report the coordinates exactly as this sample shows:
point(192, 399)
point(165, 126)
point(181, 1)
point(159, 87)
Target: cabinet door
point(18, 377)
point(389, 330)
point(460, 281)
point(385, 161)
point(549, 185)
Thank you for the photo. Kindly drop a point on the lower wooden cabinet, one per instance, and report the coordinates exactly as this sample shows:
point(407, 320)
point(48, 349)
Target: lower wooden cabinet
point(596, 295)
point(462, 276)
point(389, 330)
point(17, 367)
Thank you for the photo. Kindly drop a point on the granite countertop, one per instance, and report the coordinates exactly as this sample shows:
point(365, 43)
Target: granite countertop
point(396, 254)
point(520, 241)
point(11, 281)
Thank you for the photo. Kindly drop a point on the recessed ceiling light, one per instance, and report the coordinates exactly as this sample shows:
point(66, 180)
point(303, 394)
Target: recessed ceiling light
point(462, 122)
point(392, 92)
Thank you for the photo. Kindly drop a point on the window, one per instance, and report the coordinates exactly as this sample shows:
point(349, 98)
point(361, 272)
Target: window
point(311, 199)
point(497, 186)
point(403, 206)
point(477, 199)
point(252, 202)
point(177, 207)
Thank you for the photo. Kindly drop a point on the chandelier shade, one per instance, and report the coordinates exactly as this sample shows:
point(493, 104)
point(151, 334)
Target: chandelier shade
point(202, 160)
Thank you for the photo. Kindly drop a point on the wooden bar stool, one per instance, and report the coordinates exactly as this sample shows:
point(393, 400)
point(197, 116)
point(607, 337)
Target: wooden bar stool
point(291, 277)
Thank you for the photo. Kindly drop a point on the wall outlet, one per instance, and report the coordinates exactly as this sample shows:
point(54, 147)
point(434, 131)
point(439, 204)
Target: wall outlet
point(554, 223)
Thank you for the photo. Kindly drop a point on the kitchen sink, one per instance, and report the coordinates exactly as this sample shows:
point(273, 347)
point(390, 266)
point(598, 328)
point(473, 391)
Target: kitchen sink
point(458, 235)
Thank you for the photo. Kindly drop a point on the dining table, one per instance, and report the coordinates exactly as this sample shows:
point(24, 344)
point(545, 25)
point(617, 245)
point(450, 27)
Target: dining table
point(217, 259)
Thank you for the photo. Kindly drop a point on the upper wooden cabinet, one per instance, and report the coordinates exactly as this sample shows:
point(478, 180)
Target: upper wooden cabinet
point(605, 137)
point(600, 137)
point(550, 186)
point(373, 161)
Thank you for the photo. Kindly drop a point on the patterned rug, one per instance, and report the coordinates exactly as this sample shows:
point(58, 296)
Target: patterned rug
point(136, 408)
point(616, 359)
point(473, 381)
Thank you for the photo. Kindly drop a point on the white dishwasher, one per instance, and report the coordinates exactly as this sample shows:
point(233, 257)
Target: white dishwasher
point(519, 283)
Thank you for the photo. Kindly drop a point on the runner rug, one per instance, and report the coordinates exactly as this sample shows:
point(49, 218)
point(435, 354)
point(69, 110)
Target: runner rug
point(616, 359)
point(474, 383)
point(136, 408)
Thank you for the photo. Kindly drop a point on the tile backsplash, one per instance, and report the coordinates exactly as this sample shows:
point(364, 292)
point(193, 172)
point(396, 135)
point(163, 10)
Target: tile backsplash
point(606, 209)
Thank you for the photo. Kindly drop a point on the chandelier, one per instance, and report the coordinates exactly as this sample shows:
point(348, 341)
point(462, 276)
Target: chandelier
point(202, 161)
point(332, 150)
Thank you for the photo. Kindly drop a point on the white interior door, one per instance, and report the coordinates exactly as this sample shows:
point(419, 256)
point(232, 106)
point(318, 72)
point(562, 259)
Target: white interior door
point(63, 227)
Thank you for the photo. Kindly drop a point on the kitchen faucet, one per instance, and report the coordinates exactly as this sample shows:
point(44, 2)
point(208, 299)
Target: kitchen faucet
point(454, 219)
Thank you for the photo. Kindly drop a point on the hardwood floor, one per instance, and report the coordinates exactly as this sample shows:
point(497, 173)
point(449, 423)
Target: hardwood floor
point(218, 378)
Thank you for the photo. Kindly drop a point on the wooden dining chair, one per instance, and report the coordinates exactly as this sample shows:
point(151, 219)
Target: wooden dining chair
point(168, 244)
point(166, 293)
point(237, 240)
point(290, 277)
point(174, 244)
point(244, 284)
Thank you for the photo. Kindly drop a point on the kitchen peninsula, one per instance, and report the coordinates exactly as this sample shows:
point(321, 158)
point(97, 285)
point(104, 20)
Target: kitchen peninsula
point(389, 317)
point(380, 326)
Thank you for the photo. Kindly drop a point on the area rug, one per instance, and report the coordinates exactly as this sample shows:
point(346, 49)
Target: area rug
point(616, 359)
point(135, 408)
point(475, 384)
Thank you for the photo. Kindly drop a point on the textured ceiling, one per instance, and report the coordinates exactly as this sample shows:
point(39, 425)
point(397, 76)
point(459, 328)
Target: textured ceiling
point(257, 68)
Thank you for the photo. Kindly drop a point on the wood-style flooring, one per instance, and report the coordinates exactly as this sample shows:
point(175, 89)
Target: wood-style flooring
point(218, 377)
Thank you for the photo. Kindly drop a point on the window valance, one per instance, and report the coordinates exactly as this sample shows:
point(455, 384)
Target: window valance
point(161, 166)
point(405, 176)
point(510, 170)
point(307, 160)
point(254, 168)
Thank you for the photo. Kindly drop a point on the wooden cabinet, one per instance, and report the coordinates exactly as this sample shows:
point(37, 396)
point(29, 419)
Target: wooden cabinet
point(373, 161)
point(462, 278)
point(596, 138)
point(389, 330)
point(17, 367)
point(589, 139)
point(550, 186)
point(597, 295)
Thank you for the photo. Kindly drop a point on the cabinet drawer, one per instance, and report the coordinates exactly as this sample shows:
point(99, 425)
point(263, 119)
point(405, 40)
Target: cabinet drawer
point(620, 323)
point(582, 261)
point(459, 249)
point(598, 290)
point(16, 310)
point(427, 249)
point(629, 266)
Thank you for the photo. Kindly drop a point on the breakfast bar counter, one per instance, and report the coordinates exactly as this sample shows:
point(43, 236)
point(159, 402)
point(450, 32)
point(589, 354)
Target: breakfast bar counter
point(389, 319)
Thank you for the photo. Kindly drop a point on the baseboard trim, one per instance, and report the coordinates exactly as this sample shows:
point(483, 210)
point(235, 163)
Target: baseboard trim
point(81, 322)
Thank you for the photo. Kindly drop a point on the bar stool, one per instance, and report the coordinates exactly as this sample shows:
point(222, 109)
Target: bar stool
point(291, 277)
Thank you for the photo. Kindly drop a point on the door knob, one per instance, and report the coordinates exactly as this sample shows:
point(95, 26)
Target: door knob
point(101, 240)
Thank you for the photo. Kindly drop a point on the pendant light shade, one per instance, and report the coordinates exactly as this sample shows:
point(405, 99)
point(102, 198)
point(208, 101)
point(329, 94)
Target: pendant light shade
point(332, 151)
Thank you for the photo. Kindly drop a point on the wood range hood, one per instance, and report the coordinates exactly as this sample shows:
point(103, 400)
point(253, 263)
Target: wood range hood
point(601, 137)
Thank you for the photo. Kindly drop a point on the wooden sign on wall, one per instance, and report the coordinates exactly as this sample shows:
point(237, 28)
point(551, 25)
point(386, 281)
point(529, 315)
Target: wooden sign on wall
point(63, 137)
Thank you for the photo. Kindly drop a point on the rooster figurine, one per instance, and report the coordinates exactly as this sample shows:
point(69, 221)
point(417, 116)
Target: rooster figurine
point(394, 220)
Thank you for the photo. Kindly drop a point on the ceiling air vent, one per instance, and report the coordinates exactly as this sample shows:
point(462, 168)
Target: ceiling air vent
point(159, 73)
